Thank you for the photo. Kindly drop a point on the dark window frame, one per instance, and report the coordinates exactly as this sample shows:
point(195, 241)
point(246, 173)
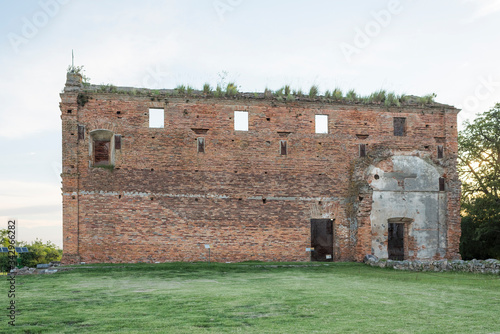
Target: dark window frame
point(442, 184)
point(399, 124)
point(362, 150)
point(283, 147)
point(81, 132)
point(101, 149)
point(200, 144)
point(440, 152)
point(118, 142)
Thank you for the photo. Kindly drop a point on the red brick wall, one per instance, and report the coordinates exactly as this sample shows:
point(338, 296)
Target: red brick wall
point(70, 179)
point(163, 201)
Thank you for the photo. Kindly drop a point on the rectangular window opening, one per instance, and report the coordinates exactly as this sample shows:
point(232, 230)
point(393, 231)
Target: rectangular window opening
point(362, 150)
point(81, 132)
point(156, 118)
point(201, 145)
point(118, 142)
point(441, 184)
point(241, 120)
point(101, 152)
point(321, 123)
point(283, 147)
point(440, 152)
point(400, 126)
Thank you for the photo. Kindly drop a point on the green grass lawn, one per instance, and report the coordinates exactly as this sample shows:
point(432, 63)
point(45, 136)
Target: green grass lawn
point(253, 298)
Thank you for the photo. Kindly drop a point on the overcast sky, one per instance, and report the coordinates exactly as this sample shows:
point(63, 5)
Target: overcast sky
point(447, 47)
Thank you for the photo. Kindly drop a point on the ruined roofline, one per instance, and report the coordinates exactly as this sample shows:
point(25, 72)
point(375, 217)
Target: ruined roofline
point(75, 84)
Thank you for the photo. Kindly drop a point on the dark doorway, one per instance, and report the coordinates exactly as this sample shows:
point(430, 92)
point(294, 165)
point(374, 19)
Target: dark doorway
point(322, 239)
point(396, 243)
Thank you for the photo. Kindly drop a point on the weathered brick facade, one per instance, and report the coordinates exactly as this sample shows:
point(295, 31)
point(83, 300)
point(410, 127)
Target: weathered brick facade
point(162, 200)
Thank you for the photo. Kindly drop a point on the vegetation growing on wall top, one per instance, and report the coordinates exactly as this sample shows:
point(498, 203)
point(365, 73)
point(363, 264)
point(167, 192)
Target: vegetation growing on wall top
point(283, 94)
point(80, 71)
point(107, 167)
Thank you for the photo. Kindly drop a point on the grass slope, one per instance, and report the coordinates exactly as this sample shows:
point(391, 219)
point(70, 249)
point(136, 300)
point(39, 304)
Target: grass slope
point(253, 298)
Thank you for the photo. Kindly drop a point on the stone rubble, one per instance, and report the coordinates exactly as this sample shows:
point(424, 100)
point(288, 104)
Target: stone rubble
point(489, 266)
point(45, 268)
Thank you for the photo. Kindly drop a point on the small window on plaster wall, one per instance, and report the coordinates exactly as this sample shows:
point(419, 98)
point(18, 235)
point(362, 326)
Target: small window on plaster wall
point(441, 184)
point(156, 118)
point(241, 120)
point(321, 123)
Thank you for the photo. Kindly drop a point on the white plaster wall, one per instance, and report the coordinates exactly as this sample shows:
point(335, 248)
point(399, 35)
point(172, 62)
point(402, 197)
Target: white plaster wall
point(416, 196)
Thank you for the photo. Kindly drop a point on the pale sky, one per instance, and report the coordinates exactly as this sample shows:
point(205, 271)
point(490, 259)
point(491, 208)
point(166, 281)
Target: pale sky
point(447, 47)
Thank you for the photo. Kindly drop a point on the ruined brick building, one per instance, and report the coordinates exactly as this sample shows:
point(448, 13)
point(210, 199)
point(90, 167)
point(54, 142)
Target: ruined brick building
point(155, 176)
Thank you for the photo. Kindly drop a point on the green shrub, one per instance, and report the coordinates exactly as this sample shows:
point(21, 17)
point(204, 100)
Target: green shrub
point(391, 99)
point(268, 93)
point(351, 96)
point(231, 89)
point(180, 90)
point(279, 92)
point(218, 91)
point(39, 252)
point(366, 99)
point(379, 96)
point(82, 99)
point(313, 92)
point(403, 98)
point(337, 94)
point(79, 70)
point(427, 99)
point(287, 90)
point(207, 89)
point(108, 167)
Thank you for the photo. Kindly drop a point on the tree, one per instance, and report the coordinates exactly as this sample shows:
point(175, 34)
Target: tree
point(39, 252)
point(4, 237)
point(4, 242)
point(479, 169)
